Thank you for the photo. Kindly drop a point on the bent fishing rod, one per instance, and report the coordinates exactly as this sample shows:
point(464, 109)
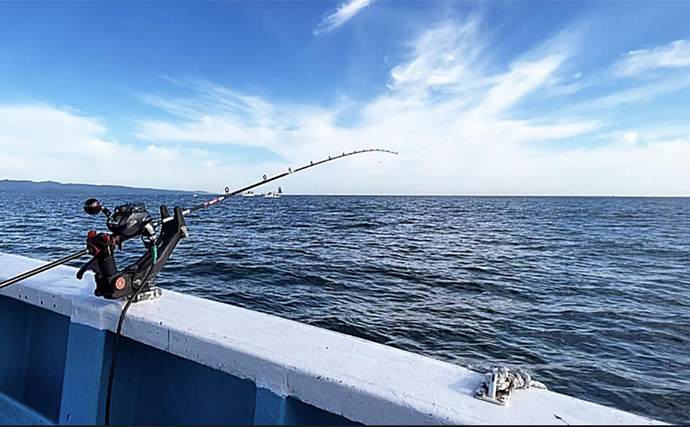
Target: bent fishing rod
point(135, 282)
point(133, 220)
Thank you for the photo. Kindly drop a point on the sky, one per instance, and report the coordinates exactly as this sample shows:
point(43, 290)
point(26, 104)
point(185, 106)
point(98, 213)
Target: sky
point(479, 98)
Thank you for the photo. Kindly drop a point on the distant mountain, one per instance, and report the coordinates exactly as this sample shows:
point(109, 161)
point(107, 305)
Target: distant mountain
point(11, 186)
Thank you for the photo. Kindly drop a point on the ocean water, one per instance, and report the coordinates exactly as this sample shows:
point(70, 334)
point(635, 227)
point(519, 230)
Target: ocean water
point(590, 295)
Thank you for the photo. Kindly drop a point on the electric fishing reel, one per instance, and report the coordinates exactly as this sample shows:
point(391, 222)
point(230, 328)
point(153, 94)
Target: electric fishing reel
point(125, 222)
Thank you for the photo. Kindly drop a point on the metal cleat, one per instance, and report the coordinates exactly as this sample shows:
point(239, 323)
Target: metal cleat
point(489, 393)
point(500, 382)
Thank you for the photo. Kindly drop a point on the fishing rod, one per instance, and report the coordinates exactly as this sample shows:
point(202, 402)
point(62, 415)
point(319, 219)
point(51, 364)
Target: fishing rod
point(43, 268)
point(135, 281)
point(133, 220)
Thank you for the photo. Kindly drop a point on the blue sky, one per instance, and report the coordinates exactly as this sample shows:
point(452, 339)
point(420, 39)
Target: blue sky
point(556, 97)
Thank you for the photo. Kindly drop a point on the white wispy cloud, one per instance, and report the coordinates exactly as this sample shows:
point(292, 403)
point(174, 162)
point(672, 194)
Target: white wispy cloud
point(341, 15)
point(635, 95)
point(673, 55)
point(438, 135)
point(442, 57)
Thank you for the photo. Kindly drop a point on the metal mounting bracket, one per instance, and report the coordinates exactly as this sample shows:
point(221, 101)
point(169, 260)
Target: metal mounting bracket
point(148, 294)
point(488, 392)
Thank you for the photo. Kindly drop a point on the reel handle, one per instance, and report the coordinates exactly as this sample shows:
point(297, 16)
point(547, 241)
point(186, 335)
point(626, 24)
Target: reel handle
point(94, 207)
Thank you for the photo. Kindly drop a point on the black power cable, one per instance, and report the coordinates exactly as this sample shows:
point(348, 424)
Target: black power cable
point(118, 334)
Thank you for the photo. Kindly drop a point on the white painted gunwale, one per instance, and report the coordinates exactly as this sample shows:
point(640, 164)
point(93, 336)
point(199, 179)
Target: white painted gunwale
point(361, 380)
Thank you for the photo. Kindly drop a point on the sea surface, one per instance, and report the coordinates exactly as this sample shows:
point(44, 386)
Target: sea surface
point(590, 295)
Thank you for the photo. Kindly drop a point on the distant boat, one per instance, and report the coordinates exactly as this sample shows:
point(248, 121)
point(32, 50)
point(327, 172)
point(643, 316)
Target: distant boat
point(248, 193)
point(271, 195)
point(196, 195)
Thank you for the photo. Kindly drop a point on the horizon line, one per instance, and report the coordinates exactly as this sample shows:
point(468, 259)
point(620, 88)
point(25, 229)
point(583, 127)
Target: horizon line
point(365, 194)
